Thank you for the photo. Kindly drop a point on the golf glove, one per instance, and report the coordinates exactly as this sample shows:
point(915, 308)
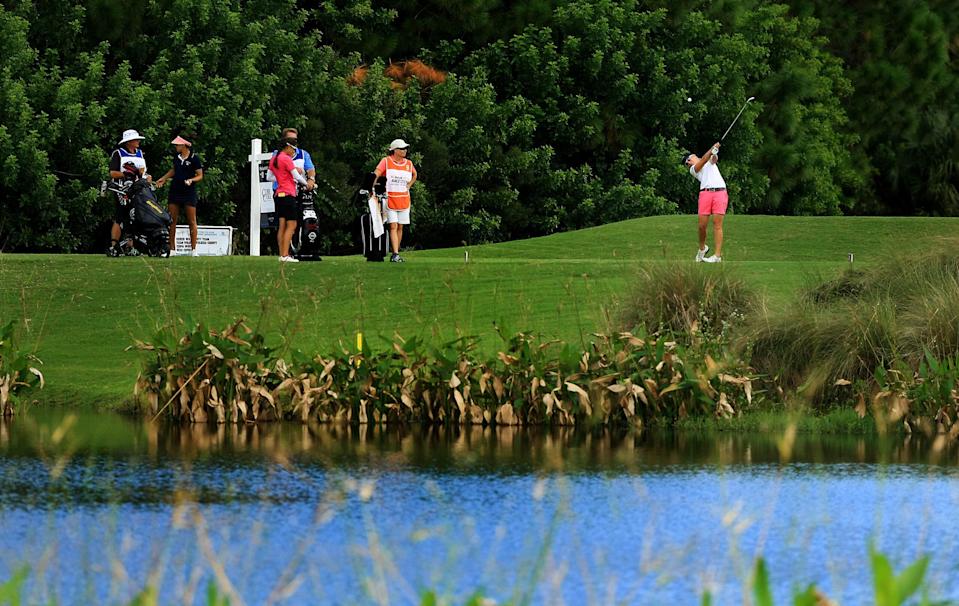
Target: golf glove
point(715, 151)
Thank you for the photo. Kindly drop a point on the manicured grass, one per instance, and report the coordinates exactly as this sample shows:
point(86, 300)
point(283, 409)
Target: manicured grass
point(81, 312)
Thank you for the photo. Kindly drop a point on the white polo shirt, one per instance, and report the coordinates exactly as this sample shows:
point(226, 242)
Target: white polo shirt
point(709, 176)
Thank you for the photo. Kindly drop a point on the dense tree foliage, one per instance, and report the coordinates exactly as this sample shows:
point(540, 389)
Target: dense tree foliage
point(901, 56)
point(555, 114)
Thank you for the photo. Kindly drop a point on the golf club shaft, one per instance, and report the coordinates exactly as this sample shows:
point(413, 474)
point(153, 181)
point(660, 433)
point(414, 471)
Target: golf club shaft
point(723, 138)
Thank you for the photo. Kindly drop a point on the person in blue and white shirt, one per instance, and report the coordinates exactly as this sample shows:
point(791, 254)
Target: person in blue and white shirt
point(301, 159)
point(303, 163)
point(127, 157)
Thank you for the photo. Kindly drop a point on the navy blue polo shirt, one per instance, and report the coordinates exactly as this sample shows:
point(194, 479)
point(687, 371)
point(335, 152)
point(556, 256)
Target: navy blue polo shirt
point(183, 169)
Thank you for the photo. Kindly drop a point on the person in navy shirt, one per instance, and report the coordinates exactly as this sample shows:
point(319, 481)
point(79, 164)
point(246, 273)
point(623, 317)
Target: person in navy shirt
point(126, 162)
point(186, 172)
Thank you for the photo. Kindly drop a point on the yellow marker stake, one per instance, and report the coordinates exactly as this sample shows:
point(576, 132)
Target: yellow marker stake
point(359, 348)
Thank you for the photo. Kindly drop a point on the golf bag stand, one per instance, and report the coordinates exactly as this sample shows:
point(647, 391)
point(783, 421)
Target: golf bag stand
point(374, 249)
point(306, 241)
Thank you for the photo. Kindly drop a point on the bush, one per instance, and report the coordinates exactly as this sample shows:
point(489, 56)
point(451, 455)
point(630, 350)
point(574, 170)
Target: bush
point(845, 329)
point(809, 350)
point(687, 298)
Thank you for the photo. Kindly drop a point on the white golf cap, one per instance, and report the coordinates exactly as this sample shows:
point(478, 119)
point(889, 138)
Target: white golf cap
point(129, 135)
point(398, 144)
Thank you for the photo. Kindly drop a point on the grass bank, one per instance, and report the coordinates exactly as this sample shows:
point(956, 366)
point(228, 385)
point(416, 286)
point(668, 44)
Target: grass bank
point(79, 313)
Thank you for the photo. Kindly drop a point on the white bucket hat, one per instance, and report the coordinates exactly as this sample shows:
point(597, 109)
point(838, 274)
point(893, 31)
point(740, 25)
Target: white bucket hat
point(129, 135)
point(398, 144)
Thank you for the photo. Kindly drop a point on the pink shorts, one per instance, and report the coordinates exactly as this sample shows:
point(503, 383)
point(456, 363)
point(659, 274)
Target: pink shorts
point(713, 202)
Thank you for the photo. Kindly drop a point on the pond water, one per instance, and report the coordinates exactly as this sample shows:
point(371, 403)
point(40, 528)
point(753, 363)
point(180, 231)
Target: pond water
point(101, 506)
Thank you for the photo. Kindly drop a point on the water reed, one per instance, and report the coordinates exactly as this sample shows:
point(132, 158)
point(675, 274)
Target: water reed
point(620, 379)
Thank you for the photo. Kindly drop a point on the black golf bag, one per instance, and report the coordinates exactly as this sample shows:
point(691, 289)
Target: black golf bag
point(145, 229)
point(306, 240)
point(374, 249)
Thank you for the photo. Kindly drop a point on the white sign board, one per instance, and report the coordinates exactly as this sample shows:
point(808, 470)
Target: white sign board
point(267, 205)
point(211, 240)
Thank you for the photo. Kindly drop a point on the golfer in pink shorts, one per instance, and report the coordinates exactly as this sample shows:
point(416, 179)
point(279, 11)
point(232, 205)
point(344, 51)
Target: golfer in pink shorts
point(713, 201)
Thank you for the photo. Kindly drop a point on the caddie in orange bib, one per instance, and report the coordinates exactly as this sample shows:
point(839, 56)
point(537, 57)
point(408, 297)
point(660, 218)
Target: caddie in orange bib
point(400, 174)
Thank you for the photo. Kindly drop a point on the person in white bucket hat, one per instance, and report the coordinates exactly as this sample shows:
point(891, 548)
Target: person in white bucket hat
point(126, 157)
point(400, 176)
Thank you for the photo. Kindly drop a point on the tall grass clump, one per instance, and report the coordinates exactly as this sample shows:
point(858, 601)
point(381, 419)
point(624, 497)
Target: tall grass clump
point(687, 298)
point(899, 278)
point(843, 331)
point(810, 350)
point(931, 323)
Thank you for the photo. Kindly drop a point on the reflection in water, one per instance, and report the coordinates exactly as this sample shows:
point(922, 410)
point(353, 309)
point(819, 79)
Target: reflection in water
point(346, 515)
point(503, 450)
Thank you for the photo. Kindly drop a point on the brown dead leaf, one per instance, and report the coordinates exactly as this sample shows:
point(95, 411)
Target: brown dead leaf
point(861, 409)
point(498, 387)
point(583, 395)
point(505, 415)
point(723, 409)
point(669, 388)
point(507, 359)
point(652, 388)
point(38, 374)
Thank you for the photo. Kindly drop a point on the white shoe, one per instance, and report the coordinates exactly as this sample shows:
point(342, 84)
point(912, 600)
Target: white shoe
point(713, 259)
point(289, 260)
point(195, 253)
point(702, 253)
point(173, 252)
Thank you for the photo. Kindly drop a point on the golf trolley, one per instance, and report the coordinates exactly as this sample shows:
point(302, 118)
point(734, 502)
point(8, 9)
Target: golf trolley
point(145, 229)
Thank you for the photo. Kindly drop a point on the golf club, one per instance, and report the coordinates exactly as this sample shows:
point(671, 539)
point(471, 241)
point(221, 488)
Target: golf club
point(736, 118)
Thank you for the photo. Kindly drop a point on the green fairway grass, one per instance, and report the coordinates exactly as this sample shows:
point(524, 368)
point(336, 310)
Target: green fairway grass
point(80, 312)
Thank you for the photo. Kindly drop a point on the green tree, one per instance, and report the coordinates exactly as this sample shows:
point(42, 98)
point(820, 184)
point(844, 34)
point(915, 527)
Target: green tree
point(224, 71)
point(901, 61)
point(555, 115)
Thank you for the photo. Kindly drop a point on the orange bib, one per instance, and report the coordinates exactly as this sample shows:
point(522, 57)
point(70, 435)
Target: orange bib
point(398, 177)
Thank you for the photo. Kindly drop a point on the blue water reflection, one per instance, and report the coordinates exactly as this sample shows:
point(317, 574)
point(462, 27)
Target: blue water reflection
point(347, 518)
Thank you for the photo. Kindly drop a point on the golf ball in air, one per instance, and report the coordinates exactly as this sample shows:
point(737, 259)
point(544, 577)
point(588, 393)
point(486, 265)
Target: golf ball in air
point(689, 99)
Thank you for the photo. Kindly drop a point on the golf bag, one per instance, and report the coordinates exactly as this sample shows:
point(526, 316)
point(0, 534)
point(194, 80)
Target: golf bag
point(145, 229)
point(306, 240)
point(374, 249)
